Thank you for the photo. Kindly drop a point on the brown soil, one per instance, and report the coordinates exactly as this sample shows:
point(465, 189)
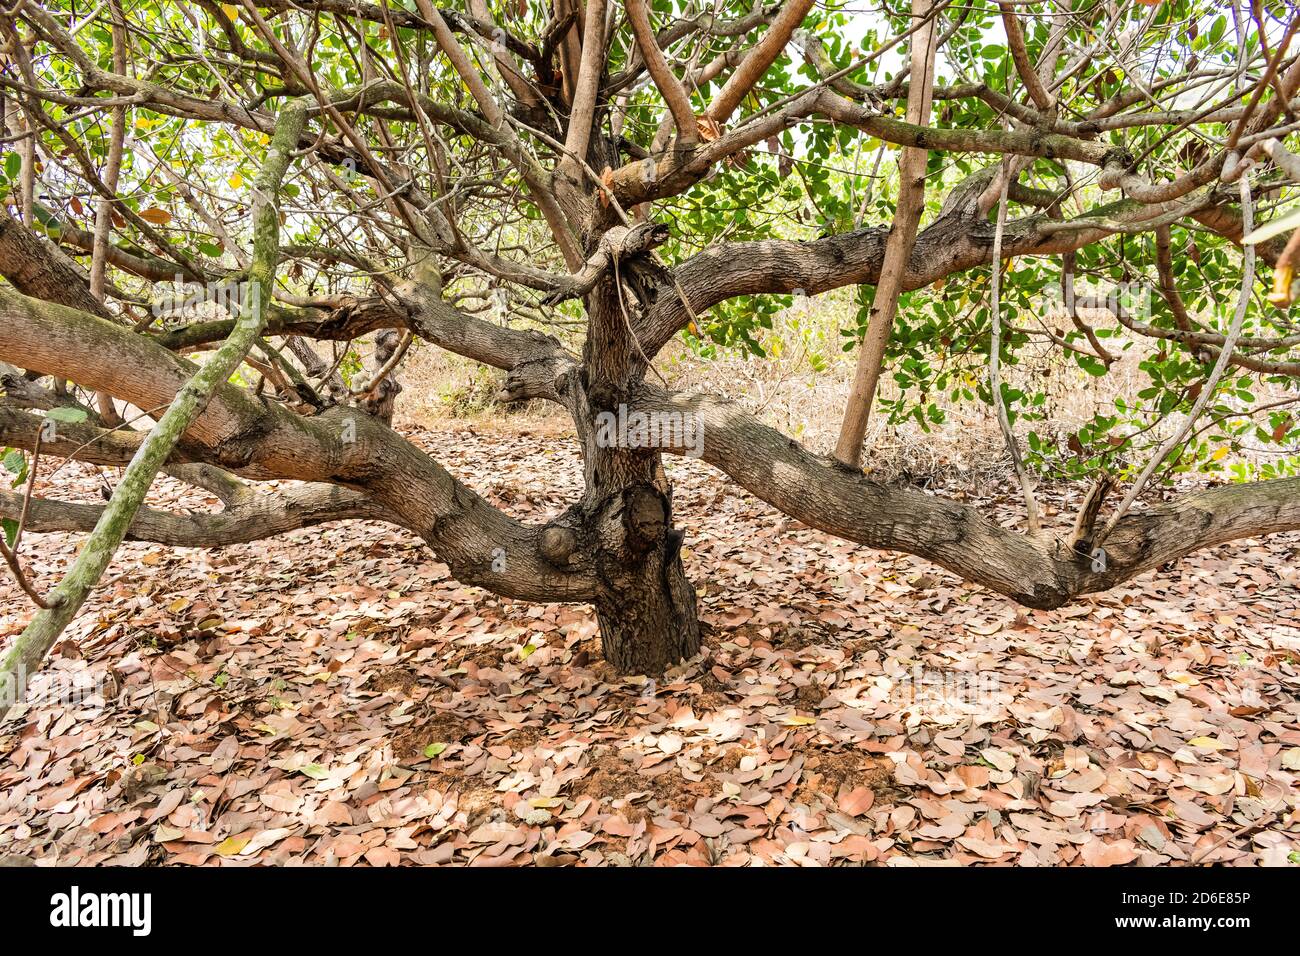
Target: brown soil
point(395, 679)
point(441, 728)
point(613, 778)
point(826, 774)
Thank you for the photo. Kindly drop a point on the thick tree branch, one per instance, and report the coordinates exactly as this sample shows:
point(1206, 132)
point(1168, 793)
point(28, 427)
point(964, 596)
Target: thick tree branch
point(1040, 572)
point(260, 439)
point(958, 240)
point(37, 268)
point(670, 88)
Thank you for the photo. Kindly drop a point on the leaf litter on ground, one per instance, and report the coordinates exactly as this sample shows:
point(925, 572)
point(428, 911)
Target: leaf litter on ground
point(331, 697)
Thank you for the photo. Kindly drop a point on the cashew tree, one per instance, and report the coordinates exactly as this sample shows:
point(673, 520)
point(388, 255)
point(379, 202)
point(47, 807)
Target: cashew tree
point(563, 190)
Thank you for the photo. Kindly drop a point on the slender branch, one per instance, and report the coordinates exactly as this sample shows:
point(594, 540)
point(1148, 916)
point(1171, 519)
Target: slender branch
point(590, 69)
point(254, 518)
point(11, 559)
point(10, 551)
point(995, 359)
point(104, 209)
point(757, 61)
point(541, 191)
point(670, 88)
point(898, 247)
point(1211, 384)
point(29, 650)
point(1020, 55)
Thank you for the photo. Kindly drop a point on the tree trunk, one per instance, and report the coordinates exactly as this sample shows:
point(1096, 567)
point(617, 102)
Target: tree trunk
point(647, 615)
point(646, 606)
point(653, 629)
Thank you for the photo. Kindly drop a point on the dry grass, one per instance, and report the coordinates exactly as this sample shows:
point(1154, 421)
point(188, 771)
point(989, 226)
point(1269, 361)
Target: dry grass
point(437, 385)
point(789, 392)
point(802, 387)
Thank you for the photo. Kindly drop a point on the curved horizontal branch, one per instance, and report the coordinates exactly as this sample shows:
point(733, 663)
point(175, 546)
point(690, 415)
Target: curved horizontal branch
point(237, 431)
point(958, 240)
point(79, 440)
point(253, 518)
point(1040, 572)
point(951, 244)
point(350, 320)
point(1020, 142)
point(137, 263)
point(457, 21)
point(680, 168)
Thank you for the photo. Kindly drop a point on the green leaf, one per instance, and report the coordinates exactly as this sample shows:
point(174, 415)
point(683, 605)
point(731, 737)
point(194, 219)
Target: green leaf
point(10, 528)
point(1091, 365)
point(434, 749)
point(67, 415)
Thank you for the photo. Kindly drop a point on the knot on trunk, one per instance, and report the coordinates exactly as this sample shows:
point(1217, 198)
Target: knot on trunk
point(557, 544)
point(645, 517)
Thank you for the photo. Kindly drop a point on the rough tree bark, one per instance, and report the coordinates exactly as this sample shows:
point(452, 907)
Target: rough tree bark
point(645, 604)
